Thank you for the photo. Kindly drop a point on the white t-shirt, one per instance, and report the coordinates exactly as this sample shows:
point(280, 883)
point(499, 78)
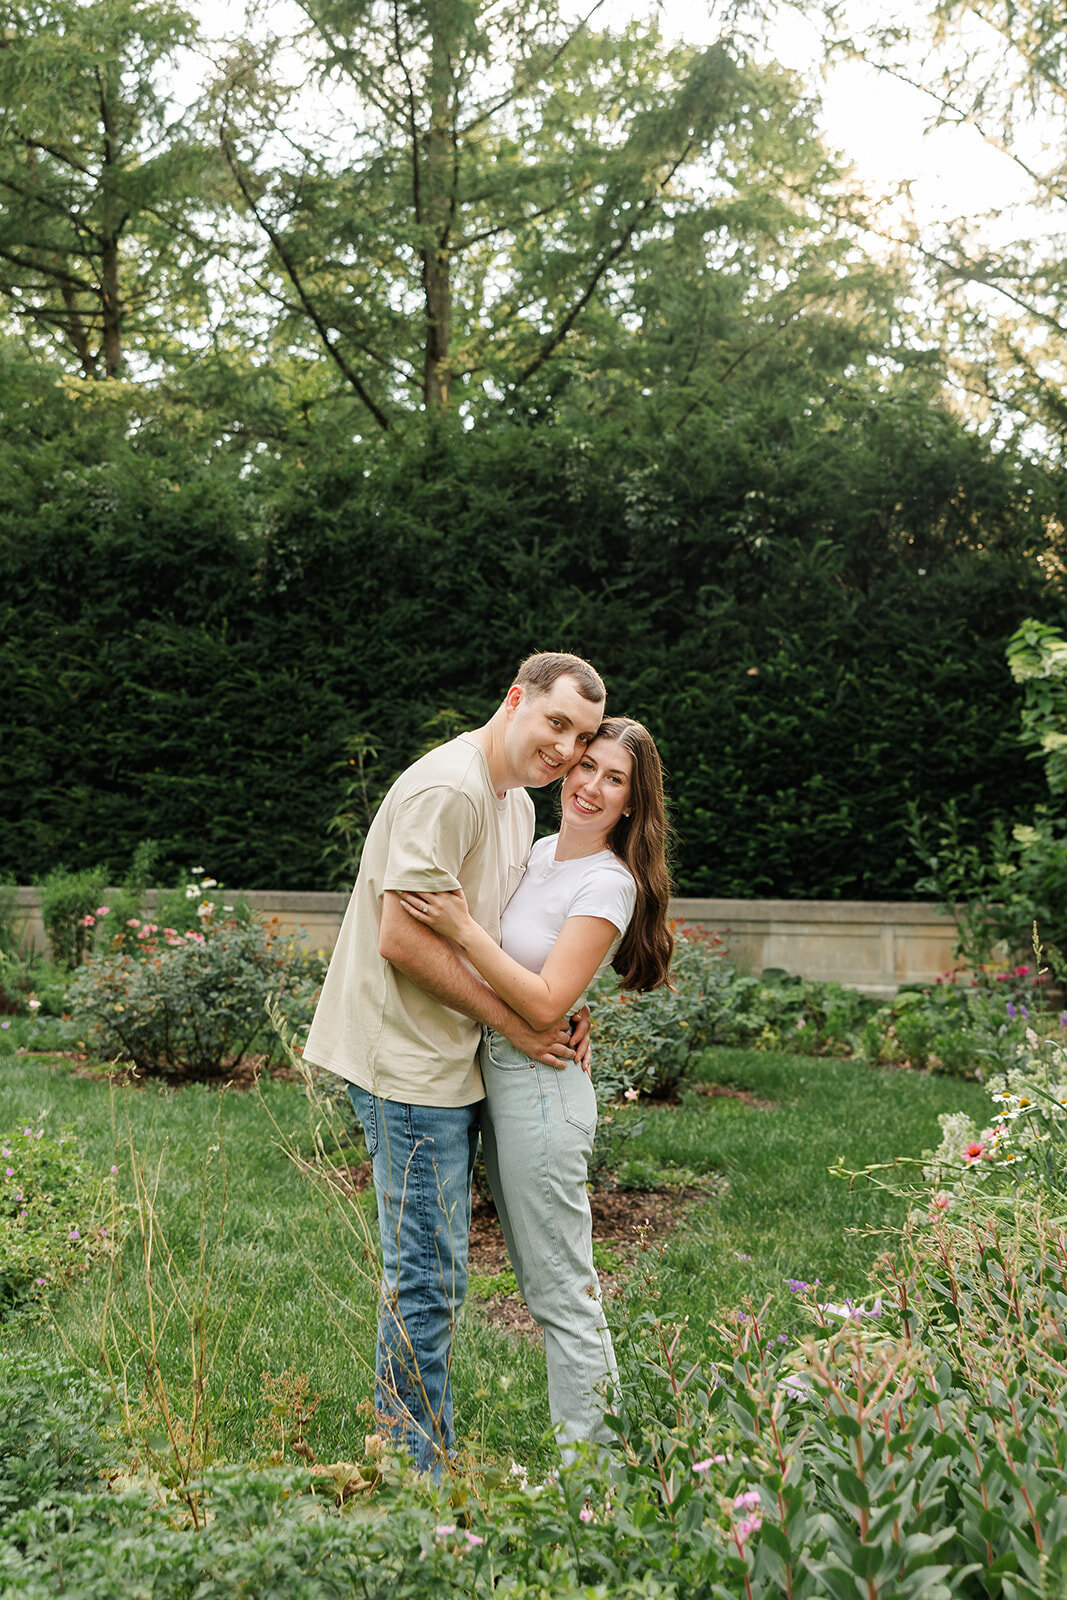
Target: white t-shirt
point(551, 891)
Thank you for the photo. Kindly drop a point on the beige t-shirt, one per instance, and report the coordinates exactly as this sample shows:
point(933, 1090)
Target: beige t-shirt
point(441, 826)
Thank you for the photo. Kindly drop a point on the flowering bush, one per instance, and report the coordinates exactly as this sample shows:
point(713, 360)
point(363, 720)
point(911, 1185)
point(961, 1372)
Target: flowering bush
point(1027, 1130)
point(964, 1023)
point(647, 1042)
point(54, 1214)
point(192, 1003)
point(643, 1042)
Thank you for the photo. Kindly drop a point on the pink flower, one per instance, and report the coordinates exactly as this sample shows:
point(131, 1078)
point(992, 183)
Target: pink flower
point(747, 1500)
point(974, 1152)
point(10, 1172)
point(630, 1094)
point(444, 1528)
point(1022, 972)
point(472, 1538)
point(133, 922)
point(102, 911)
point(747, 1527)
point(87, 922)
point(704, 1466)
point(586, 1514)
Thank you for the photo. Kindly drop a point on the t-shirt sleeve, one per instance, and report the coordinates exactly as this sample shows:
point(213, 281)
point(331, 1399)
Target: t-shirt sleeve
point(430, 835)
point(611, 895)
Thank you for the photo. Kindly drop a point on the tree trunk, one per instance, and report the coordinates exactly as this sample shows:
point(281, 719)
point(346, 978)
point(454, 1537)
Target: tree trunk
point(441, 155)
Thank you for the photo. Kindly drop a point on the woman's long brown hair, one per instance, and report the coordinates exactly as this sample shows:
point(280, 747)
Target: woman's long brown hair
point(643, 959)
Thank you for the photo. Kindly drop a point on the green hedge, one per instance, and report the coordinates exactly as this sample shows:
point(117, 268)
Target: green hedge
point(814, 628)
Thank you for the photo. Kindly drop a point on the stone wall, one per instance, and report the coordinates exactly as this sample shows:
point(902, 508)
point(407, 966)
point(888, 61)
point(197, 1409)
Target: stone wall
point(874, 945)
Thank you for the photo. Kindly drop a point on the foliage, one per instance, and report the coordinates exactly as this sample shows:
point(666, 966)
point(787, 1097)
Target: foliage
point(54, 1221)
point(647, 1043)
point(67, 900)
point(519, 180)
point(192, 1004)
point(1001, 891)
point(50, 1442)
point(965, 1023)
point(1025, 1141)
point(1000, 68)
point(99, 178)
point(809, 664)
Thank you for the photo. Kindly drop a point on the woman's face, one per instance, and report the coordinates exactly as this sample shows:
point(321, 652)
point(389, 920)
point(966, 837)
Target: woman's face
point(597, 791)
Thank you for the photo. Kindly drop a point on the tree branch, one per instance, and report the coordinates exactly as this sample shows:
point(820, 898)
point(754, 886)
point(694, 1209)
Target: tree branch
point(295, 279)
point(560, 333)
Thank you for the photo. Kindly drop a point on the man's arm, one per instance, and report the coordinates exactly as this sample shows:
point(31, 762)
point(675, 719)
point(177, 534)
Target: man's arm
point(432, 964)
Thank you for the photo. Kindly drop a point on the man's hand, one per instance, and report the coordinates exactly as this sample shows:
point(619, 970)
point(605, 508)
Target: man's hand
point(582, 1038)
point(552, 1046)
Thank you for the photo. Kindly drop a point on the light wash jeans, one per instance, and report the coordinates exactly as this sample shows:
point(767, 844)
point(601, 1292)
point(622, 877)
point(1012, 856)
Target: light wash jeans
point(423, 1160)
point(537, 1136)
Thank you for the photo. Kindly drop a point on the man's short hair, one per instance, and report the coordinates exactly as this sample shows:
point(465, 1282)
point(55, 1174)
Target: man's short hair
point(540, 673)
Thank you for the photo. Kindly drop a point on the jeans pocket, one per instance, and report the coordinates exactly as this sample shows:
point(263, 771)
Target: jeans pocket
point(577, 1098)
point(366, 1110)
point(502, 1054)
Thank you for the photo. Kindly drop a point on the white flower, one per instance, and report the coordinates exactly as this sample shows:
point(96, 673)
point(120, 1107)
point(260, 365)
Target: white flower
point(34, 1005)
point(191, 891)
point(209, 883)
point(852, 1312)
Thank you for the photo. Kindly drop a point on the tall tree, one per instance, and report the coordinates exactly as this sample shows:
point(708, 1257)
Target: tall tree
point(1000, 67)
point(454, 215)
point(97, 176)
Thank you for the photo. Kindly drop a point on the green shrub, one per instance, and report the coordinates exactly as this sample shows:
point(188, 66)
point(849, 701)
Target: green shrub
point(70, 901)
point(50, 1440)
point(644, 1042)
point(193, 1004)
point(54, 1213)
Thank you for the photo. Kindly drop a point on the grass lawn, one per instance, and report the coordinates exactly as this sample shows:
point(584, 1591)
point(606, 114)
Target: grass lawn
point(293, 1288)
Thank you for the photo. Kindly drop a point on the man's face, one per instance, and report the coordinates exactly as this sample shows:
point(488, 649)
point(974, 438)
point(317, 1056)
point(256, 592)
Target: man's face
point(547, 733)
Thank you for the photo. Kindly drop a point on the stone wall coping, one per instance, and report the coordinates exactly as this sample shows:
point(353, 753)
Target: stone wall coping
point(28, 898)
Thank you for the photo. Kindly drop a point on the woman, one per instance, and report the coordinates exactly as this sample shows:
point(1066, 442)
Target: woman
point(594, 893)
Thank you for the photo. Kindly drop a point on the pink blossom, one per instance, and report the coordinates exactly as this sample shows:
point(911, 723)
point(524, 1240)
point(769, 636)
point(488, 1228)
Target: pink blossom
point(747, 1500)
point(974, 1152)
point(102, 911)
point(444, 1528)
point(630, 1094)
point(10, 1173)
point(87, 922)
point(133, 922)
point(472, 1538)
point(744, 1529)
point(1022, 972)
point(586, 1514)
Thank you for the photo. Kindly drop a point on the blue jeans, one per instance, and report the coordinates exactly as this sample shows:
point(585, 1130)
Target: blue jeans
point(423, 1160)
point(537, 1137)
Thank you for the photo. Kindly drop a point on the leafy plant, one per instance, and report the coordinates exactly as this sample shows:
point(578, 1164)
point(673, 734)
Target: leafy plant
point(55, 1219)
point(193, 1004)
point(69, 902)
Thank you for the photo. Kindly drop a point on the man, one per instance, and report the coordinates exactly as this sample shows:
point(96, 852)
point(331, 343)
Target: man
point(400, 1013)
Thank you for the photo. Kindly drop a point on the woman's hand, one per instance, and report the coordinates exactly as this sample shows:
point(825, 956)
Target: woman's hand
point(446, 914)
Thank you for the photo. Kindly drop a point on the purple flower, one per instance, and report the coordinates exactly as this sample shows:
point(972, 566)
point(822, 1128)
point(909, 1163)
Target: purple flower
point(1012, 1013)
point(797, 1285)
point(5, 1024)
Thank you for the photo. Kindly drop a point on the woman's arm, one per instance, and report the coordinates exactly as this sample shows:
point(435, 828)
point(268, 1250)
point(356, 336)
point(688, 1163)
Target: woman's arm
point(542, 996)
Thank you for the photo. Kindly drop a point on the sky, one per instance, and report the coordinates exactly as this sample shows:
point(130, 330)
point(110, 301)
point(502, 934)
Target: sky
point(883, 126)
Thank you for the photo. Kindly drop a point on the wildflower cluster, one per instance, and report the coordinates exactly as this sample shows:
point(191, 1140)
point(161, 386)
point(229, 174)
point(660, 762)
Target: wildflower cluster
point(56, 1214)
point(1028, 1128)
